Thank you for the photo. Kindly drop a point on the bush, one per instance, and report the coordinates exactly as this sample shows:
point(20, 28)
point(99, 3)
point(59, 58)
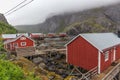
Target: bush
point(1, 46)
point(9, 71)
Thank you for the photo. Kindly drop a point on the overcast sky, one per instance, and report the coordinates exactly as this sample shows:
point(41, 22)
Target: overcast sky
point(39, 10)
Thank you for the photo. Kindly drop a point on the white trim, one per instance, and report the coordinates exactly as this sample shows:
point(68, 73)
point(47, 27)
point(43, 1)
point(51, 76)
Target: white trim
point(114, 54)
point(99, 62)
point(85, 39)
point(106, 55)
point(66, 54)
point(34, 44)
point(23, 43)
point(72, 40)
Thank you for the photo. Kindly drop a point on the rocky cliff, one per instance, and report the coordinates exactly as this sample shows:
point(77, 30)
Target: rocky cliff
point(104, 19)
point(5, 27)
point(2, 18)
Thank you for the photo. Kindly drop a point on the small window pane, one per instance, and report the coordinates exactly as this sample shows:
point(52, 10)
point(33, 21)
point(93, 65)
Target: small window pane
point(15, 45)
point(106, 55)
point(23, 43)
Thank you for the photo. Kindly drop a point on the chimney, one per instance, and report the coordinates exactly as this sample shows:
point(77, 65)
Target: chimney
point(118, 33)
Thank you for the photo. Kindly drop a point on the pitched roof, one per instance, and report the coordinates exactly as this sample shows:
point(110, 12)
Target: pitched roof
point(13, 35)
point(26, 34)
point(100, 40)
point(8, 41)
point(9, 36)
point(37, 33)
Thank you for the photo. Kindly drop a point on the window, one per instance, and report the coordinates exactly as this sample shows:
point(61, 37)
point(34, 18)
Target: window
point(106, 55)
point(15, 44)
point(23, 43)
point(23, 38)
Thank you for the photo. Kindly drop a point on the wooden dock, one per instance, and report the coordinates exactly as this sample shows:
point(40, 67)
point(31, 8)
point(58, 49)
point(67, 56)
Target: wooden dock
point(31, 53)
point(110, 73)
point(55, 50)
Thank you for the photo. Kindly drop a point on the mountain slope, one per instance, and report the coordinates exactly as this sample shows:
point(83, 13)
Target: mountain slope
point(3, 19)
point(102, 19)
point(4, 26)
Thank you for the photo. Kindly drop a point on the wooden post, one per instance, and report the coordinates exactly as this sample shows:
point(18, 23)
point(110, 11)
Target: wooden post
point(119, 76)
point(76, 69)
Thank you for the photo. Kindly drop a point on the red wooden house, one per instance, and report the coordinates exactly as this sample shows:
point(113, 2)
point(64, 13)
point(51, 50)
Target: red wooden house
point(36, 35)
point(63, 35)
point(21, 41)
point(51, 35)
point(93, 50)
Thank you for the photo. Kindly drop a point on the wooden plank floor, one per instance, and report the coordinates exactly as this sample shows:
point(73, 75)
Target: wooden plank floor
point(50, 50)
point(103, 74)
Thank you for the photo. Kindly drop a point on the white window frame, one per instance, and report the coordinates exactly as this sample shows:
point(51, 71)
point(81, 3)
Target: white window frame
point(23, 43)
point(23, 38)
point(15, 44)
point(106, 56)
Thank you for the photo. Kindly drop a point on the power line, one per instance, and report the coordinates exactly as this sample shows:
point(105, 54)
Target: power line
point(19, 8)
point(15, 6)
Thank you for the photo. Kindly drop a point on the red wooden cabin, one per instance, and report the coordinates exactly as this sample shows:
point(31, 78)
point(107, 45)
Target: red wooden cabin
point(36, 35)
point(62, 35)
point(93, 50)
point(21, 41)
point(51, 35)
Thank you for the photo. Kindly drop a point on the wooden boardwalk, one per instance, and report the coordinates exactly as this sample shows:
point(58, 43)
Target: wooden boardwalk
point(54, 50)
point(109, 73)
point(47, 51)
point(25, 51)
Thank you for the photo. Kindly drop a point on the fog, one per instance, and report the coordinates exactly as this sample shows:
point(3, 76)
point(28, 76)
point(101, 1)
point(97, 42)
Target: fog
point(39, 10)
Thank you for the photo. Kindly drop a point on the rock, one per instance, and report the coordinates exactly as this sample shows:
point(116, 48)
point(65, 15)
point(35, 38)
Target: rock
point(74, 78)
point(45, 61)
point(37, 60)
point(52, 68)
point(51, 77)
point(60, 71)
point(3, 19)
point(42, 65)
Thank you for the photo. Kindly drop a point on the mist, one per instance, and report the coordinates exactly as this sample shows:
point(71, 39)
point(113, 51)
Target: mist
point(39, 10)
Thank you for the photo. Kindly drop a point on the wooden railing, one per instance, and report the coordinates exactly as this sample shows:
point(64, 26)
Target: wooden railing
point(112, 73)
point(89, 74)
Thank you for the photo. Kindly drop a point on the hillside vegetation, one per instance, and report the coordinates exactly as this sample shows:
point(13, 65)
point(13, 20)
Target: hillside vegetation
point(6, 28)
point(8, 69)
